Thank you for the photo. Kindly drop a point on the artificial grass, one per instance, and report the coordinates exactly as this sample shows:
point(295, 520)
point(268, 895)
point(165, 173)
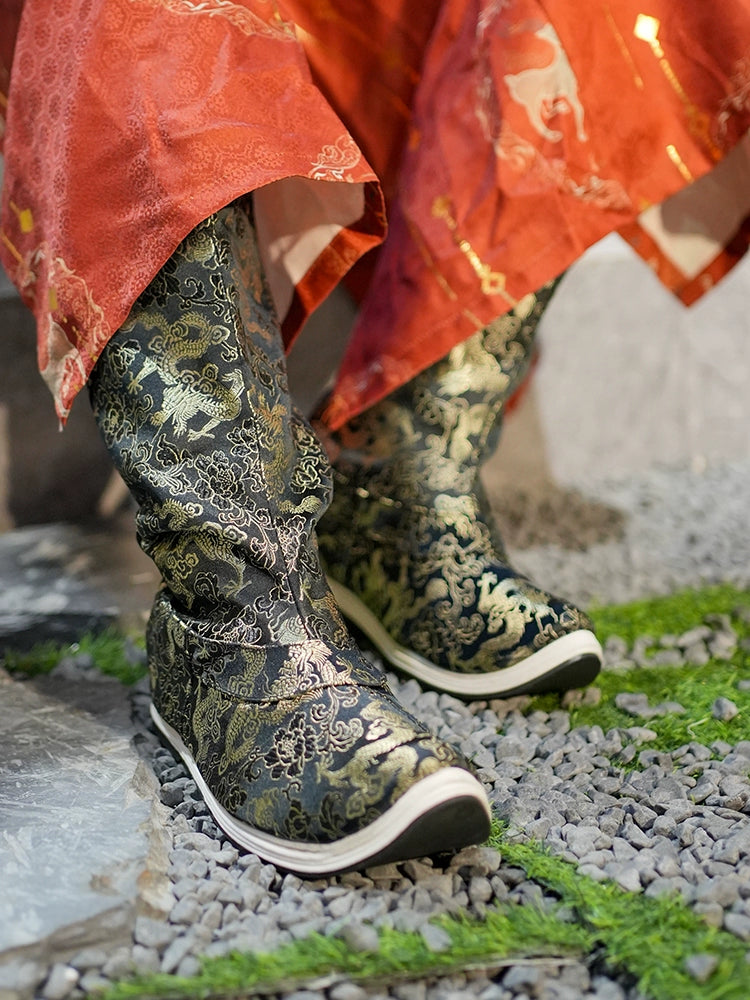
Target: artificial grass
point(695, 688)
point(111, 653)
point(646, 939)
point(669, 615)
point(40, 659)
point(649, 938)
point(518, 933)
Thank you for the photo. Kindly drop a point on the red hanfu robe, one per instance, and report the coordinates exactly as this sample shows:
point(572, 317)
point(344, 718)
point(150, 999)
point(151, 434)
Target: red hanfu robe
point(495, 141)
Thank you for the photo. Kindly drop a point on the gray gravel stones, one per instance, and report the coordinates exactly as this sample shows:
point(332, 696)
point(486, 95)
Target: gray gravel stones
point(606, 801)
point(715, 639)
point(683, 528)
point(60, 982)
point(724, 709)
point(637, 705)
point(360, 937)
point(701, 967)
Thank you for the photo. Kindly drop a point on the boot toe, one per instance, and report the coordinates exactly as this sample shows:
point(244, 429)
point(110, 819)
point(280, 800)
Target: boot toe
point(318, 799)
point(518, 641)
point(330, 776)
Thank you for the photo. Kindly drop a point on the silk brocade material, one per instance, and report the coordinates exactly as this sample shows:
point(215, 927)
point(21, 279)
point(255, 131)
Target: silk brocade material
point(293, 730)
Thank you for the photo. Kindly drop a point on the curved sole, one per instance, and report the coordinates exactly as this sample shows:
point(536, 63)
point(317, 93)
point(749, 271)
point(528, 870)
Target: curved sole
point(571, 661)
point(444, 811)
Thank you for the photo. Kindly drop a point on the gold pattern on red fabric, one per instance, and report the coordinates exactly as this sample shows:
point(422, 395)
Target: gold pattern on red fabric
point(533, 129)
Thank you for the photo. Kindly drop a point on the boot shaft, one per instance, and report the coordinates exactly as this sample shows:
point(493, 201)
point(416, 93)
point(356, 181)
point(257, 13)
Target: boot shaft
point(191, 397)
point(432, 435)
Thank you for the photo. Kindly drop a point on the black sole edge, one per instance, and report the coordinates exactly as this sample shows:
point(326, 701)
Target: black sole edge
point(444, 829)
point(575, 673)
point(462, 822)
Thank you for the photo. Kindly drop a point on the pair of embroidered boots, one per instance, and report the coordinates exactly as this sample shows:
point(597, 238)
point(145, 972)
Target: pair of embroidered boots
point(293, 736)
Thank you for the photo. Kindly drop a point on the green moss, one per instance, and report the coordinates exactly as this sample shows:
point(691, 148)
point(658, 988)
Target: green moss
point(513, 932)
point(110, 651)
point(650, 939)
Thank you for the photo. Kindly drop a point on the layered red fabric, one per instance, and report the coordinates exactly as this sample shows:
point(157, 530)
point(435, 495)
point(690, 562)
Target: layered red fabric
point(504, 137)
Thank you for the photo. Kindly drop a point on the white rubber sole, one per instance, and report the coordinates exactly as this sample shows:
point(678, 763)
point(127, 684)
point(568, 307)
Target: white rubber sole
point(573, 660)
point(446, 810)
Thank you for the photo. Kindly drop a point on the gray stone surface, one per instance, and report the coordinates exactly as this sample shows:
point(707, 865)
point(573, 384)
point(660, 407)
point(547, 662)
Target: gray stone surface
point(683, 528)
point(629, 378)
point(48, 587)
point(82, 845)
point(59, 581)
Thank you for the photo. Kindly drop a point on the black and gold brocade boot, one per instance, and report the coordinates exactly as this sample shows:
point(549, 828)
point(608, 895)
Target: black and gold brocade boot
point(294, 739)
point(411, 546)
